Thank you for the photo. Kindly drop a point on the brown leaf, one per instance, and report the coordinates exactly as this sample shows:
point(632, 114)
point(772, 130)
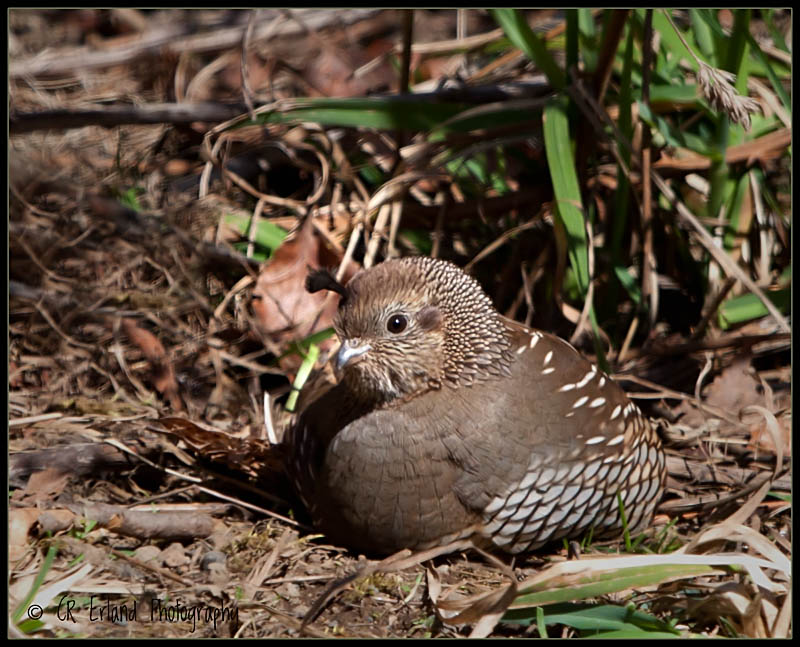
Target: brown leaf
point(770, 433)
point(20, 521)
point(163, 373)
point(15, 380)
point(734, 388)
point(175, 555)
point(56, 520)
point(45, 484)
point(284, 310)
point(331, 72)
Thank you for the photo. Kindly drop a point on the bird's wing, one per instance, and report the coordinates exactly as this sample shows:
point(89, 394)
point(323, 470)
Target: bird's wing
point(553, 445)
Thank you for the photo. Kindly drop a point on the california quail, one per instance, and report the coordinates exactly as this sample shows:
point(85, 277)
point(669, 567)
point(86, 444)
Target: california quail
point(451, 421)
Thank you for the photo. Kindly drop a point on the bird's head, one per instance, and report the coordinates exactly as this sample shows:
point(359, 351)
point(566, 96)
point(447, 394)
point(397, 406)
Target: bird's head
point(413, 324)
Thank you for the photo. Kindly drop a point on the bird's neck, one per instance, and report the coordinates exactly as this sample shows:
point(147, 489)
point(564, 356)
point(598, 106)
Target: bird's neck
point(487, 355)
point(362, 398)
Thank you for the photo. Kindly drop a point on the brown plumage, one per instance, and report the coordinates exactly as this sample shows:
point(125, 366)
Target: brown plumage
point(451, 421)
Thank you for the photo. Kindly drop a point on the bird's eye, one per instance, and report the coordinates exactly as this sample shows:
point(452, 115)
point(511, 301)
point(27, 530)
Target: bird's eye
point(396, 323)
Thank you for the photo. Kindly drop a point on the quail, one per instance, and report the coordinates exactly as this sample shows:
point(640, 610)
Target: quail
point(450, 421)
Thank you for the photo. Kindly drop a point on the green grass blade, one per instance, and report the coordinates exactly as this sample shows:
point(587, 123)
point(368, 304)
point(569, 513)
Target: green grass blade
point(626, 534)
point(569, 208)
point(300, 345)
point(636, 633)
point(541, 623)
point(572, 39)
point(592, 585)
point(519, 32)
point(268, 234)
point(703, 35)
point(777, 37)
point(738, 49)
point(683, 94)
point(739, 189)
point(598, 619)
point(718, 174)
point(588, 39)
point(568, 205)
point(37, 583)
point(381, 113)
point(670, 42)
point(622, 195)
point(672, 136)
point(302, 375)
point(748, 307)
point(774, 81)
point(629, 283)
point(490, 116)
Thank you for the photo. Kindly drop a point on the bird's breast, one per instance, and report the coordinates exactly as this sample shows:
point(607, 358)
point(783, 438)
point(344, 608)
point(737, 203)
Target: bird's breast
point(388, 477)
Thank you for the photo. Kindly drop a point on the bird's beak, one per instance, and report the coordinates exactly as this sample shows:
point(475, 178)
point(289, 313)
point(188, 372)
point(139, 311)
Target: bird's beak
point(349, 352)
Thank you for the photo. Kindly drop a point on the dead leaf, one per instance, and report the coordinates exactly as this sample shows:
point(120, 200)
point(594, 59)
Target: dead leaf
point(20, 521)
point(331, 72)
point(770, 433)
point(45, 485)
point(56, 520)
point(735, 387)
point(163, 373)
point(174, 555)
point(284, 310)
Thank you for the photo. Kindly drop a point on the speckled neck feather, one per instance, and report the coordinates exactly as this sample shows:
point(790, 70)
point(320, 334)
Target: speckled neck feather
point(476, 342)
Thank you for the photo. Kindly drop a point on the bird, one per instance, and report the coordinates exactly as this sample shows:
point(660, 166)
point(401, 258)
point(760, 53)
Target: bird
point(450, 421)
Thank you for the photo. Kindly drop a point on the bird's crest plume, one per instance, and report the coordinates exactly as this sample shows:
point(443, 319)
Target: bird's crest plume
point(323, 279)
